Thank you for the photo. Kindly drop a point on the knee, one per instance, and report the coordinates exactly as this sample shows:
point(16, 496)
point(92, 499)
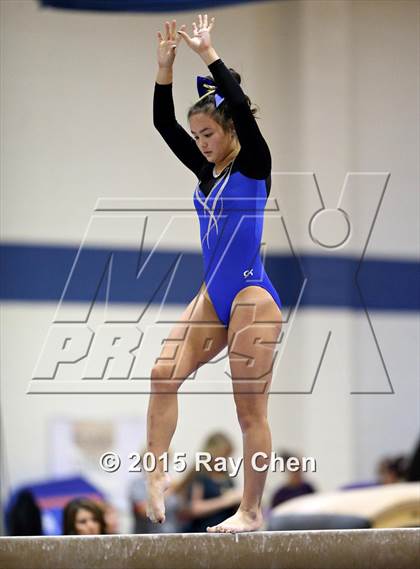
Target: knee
point(159, 372)
point(250, 419)
point(162, 379)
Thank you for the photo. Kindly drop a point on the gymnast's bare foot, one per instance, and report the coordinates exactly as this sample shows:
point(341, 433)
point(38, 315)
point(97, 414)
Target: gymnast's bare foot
point(239, 522)
point(157, 484)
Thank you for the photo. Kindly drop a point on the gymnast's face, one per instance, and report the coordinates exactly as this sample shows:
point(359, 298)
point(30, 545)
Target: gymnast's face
point(85, 523)
point(214, 142)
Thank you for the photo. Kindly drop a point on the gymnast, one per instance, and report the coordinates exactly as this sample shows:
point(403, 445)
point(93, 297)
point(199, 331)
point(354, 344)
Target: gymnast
point(237, 303)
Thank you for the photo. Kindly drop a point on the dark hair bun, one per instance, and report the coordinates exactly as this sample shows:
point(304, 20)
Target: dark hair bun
point(235, 75)
point(222, 113)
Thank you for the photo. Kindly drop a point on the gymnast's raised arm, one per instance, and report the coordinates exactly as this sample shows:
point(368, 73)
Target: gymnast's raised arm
point(180, 142)
point(254, 156)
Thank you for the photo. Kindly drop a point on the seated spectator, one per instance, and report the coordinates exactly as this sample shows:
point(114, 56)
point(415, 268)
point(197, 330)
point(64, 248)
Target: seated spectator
point(392, 470)
point(24, 517)
point(82, 516)
point(211, 496)
point(295, 486)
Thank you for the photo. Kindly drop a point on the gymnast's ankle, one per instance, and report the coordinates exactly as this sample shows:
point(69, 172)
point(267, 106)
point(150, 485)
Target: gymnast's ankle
point(252, 512)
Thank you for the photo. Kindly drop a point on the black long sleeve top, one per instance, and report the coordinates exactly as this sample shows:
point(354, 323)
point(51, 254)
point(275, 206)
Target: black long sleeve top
point(253, 160)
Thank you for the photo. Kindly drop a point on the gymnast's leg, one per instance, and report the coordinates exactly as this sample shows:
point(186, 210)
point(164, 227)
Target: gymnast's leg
point(252, 337)
point(197, 338)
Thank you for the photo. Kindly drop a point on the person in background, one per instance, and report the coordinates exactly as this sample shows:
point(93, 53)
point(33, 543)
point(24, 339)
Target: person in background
point(392, 469)
point(24, 517)
point(295, 486)
point(389, 470)
point(82, 516)
point(413, 466)
point(210, 496)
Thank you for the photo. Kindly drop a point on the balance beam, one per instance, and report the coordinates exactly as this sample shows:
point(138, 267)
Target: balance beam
point(338, 549)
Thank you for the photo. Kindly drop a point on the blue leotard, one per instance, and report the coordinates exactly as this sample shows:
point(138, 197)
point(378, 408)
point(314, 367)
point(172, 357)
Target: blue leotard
point(230, 207)
point(231, 223)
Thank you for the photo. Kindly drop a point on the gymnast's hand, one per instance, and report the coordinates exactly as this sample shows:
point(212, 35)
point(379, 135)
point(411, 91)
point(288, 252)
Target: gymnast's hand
point(167, 45)
point(201, 41)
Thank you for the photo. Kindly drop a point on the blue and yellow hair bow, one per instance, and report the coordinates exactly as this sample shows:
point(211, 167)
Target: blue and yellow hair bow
point(206, 86)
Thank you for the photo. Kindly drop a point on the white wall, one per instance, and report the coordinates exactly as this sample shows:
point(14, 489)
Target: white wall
point(338, 91)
